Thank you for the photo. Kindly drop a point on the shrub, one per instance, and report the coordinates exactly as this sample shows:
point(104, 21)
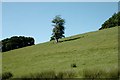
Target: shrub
point(112, 21)
point(73, 65)
point(16, 42)
point(7, 75)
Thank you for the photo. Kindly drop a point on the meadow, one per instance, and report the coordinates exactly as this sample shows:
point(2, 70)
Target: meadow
point(82, 55)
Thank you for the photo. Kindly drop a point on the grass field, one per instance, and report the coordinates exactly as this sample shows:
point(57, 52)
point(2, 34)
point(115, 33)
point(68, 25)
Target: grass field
point(93, 50)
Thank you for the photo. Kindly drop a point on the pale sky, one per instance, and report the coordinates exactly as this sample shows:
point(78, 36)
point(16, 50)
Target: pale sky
point(60, 0)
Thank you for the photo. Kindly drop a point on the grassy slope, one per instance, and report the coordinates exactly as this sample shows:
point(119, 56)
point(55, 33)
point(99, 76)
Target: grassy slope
point(91, 50)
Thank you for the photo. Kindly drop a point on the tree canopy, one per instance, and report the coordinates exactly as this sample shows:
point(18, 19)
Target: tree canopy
point(16, 42)
point(58, 29)
point(112, 21)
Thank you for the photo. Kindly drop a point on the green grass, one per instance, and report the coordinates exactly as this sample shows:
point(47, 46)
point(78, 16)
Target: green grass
point(93, 73)
point(0, 64)
point(91, 50)
point(51, 74)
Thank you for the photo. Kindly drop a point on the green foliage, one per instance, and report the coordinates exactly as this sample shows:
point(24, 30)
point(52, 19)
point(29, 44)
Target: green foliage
point(112, 21)
point(7, 75)
point(52, 38)
point(16, 42)
point(58, 29)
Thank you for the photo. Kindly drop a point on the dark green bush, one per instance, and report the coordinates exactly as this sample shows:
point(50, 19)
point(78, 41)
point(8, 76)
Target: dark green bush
point(7, 75)
point(112, 21)
point(73, 65)
point(16, 42)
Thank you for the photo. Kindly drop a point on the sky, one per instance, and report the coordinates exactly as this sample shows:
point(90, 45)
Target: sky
point(60, 0)
point(33, 19)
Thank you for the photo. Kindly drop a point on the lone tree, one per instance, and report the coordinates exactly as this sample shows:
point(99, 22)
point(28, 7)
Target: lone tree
point(58, 29)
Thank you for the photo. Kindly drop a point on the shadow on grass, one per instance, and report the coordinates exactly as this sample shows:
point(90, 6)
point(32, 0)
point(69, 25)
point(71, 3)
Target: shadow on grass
point(71, 39)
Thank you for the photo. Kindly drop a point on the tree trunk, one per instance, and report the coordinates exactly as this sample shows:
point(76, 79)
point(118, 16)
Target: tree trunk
point(56, 40)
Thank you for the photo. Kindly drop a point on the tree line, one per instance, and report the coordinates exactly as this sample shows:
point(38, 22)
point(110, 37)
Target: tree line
point(16, 42)
point(112, 21)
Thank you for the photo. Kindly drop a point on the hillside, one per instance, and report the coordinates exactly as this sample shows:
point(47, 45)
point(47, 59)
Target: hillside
point(97, 49)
